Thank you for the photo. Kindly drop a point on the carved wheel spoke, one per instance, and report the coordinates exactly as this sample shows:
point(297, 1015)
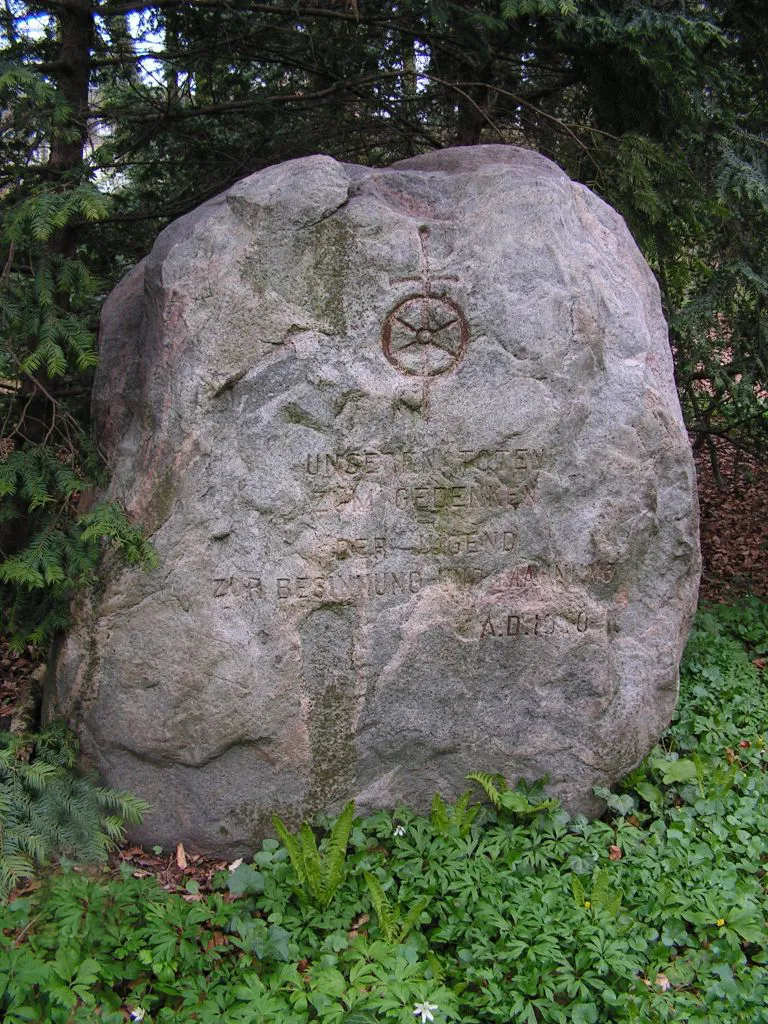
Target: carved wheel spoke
point(446, 343)
point(406, 324)
point(400, 345)
point(425, 336)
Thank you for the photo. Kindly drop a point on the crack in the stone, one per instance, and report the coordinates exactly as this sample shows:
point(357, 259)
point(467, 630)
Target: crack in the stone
point(330, 213)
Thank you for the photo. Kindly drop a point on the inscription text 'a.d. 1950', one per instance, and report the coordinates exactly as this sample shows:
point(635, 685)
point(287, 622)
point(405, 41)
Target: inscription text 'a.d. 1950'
point(536, 624)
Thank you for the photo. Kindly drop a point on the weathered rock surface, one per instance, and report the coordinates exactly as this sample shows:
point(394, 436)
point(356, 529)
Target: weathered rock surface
point(408, 445)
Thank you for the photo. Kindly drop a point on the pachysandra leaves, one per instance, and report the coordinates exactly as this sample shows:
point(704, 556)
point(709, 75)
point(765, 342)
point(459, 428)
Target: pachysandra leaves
point(427, 922)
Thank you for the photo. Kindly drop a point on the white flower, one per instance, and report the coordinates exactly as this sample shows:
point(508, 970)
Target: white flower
point(399, 830)
point(424, 1010)
point(138, 1014)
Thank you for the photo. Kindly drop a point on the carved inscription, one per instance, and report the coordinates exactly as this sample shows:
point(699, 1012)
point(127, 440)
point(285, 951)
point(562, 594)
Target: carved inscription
point(336, 499)
point(455, 545)
point(361, 547)
point(375, 584)
point(462, 480)
point(523, 576)
point(388, 466)
point(249, 587)
point(539, 625)
point(452, 545)
point(453, 517)
point(423, 497)
point(433, 499)
point(383, 583)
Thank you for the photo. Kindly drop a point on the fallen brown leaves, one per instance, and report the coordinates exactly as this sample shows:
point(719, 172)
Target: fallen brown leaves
point(734, 543)
point(15, 672)
point(734, 525)
point(167, 869)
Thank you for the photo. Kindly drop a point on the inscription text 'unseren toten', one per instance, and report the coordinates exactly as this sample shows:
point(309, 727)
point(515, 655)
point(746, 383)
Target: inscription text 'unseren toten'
point(389, 465)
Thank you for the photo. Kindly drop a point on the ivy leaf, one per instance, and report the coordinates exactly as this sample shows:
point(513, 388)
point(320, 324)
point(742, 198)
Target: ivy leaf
point(681, 770)
point(651, 794)
point(245, 880)
point(623, 804)
point(583, 1013)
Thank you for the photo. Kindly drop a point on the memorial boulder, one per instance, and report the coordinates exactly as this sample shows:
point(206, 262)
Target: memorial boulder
point(408, 446)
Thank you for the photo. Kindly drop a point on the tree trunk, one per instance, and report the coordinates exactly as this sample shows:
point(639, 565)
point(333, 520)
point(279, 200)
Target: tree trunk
point(73, 77)
point(76, 30)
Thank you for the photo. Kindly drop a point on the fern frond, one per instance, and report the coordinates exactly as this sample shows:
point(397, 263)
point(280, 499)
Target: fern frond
point(438, 815)
point(436, 967)
point(463, 814)
point(291, 844)
point(412, 916)
point(492, 785)
point(311, 859)
point(336, 853)
point(381, 905)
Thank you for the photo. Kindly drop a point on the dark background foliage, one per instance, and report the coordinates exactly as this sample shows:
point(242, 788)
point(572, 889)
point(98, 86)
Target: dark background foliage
point(120, 116)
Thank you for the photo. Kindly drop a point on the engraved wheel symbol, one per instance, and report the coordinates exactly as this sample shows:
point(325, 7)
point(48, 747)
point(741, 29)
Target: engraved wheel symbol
point(425, 335)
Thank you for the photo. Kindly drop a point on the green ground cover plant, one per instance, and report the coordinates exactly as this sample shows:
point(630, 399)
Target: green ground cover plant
point(500, 913)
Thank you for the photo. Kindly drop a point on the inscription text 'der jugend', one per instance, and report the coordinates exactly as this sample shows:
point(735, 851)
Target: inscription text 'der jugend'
point(400, 468)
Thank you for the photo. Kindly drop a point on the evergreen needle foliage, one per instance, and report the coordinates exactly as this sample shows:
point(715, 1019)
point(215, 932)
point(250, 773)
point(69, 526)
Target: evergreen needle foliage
point(60, 550)
point(48, 305)
point(47, 809)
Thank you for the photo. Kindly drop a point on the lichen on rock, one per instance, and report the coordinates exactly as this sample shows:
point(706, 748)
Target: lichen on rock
point(410, 448)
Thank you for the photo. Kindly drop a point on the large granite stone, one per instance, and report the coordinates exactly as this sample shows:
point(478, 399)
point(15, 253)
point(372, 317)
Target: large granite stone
point(408, 445)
